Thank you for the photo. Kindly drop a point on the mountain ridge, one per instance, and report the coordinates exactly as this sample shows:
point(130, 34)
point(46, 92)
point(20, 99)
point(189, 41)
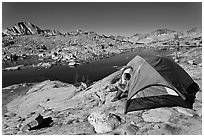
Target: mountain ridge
point(28, 28)
point(161, 34)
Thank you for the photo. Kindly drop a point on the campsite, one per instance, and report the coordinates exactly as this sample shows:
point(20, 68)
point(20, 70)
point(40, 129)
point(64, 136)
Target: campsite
point(88, 110)
point(102, 68)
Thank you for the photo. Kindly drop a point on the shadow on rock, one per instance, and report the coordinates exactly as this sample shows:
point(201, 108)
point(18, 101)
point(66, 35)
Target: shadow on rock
point(41, 123)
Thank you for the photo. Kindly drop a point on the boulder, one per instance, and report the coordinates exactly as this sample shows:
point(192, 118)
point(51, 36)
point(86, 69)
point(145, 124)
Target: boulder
point(157, 115)
point(38, 123)
point(104, 122)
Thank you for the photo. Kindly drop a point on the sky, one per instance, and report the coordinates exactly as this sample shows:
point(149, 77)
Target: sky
point(109, 18)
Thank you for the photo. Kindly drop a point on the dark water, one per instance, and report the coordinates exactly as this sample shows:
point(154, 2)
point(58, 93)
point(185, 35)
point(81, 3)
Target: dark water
point(93, 71)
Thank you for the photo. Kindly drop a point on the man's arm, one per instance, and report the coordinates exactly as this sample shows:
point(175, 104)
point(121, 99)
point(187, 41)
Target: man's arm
point(123, 90)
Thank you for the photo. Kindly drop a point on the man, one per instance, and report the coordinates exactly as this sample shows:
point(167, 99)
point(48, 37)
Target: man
point(123, 84)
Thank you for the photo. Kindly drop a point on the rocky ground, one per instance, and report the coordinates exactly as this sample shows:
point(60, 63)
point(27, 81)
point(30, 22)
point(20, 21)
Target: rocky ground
point(53, 107)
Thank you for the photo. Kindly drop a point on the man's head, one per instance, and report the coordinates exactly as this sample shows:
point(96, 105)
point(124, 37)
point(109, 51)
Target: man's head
point(127, 76)
point(124, 80)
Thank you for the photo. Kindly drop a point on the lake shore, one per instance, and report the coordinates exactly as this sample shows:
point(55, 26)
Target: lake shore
point(51, 66)
point(33, 61)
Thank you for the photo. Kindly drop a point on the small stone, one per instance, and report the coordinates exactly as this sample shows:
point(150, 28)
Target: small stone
point(33, 123)
point(186, 111)
point(192, 62)
point(132, 129)
point(81, 120)
point(119, 132)
point(25, 128)
point(199, 112)
point(156, 127)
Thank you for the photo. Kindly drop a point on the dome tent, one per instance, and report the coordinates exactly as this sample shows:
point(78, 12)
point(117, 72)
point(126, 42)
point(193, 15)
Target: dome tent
point(159, 82)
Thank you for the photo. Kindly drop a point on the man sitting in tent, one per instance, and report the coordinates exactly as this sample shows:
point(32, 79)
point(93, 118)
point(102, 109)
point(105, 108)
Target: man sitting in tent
point(154, 81)
point(123, 84)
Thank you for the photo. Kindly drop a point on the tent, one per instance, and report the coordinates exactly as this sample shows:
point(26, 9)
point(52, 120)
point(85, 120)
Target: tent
point(159, 82)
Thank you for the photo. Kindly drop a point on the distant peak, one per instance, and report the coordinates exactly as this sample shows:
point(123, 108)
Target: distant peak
point(135, 35)
point(24, 22)
point(28, 28)
point(165, 30)
point(195, 29)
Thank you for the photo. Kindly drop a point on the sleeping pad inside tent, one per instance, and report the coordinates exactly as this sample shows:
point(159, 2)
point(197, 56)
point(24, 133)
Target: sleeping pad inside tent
point(159, 82)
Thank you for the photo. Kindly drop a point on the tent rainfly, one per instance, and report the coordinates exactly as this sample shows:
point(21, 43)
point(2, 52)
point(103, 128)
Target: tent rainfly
point(159, 82)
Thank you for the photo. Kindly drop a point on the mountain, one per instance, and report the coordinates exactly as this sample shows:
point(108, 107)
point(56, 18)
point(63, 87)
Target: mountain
point(134, 38)
point(23, 28)
point(195, 32)
point(27, 28)
point(166, 34)
point(84, 45)
point(158, 35)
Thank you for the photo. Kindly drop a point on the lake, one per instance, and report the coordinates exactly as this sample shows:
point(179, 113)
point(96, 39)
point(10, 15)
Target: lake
point(93, 71)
